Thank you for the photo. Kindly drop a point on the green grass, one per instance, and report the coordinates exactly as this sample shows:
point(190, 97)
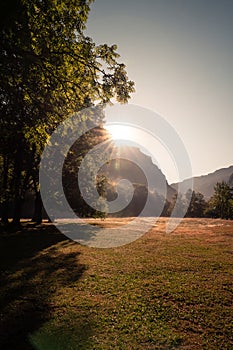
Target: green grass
point(161, 292)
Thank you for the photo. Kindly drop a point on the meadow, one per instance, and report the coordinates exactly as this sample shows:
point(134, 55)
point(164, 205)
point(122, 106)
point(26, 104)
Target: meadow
point(163, 291)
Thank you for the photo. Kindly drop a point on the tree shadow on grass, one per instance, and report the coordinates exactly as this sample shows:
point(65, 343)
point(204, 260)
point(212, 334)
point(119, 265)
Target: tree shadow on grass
point(34, 265)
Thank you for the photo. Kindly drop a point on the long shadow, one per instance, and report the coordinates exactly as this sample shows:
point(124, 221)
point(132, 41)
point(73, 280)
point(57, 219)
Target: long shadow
point(34, 265)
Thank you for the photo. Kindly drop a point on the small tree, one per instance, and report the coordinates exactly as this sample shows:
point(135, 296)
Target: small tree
point(197, 204)
point(177, 206)
point(230, 182)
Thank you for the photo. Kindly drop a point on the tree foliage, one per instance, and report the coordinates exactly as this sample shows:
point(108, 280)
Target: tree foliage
point(48, 70)
point(197, 204)
point(221, 203)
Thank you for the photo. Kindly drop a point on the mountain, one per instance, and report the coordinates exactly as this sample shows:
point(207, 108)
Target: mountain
point(132, 164)
point(205, 183)
point(150, 185)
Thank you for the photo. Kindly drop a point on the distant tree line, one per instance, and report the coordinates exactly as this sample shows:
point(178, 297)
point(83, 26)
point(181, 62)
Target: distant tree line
point(220, 205)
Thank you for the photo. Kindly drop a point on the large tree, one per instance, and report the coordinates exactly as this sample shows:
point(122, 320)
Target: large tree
point(48, 69)
point(221, 203)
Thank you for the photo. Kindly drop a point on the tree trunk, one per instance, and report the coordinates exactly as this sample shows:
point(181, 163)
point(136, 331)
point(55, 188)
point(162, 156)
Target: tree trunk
point(5, 212)
point(17, 211)
point(5, 207)
point(17, 186)
point(38, 206)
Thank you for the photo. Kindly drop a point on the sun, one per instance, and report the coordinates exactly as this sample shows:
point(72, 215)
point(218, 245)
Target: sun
point(119, 131)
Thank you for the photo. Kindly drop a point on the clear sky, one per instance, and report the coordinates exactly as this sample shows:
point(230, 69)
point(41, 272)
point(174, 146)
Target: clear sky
point(180, 55)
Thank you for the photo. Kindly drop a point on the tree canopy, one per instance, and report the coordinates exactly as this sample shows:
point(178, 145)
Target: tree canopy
point(49, 69)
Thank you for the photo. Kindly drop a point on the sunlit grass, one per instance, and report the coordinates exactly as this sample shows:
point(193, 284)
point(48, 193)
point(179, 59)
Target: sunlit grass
point(161, 292)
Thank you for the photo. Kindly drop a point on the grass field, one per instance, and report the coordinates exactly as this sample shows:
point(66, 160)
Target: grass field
point(163, 291)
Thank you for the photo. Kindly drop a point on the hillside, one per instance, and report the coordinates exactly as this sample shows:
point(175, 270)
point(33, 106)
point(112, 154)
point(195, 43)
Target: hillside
point(205, 183)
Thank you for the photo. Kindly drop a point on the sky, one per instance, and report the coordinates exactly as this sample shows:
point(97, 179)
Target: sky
point(179, 53)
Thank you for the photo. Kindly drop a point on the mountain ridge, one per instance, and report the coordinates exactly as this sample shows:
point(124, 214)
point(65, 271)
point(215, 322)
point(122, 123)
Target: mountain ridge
point(205, 183)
